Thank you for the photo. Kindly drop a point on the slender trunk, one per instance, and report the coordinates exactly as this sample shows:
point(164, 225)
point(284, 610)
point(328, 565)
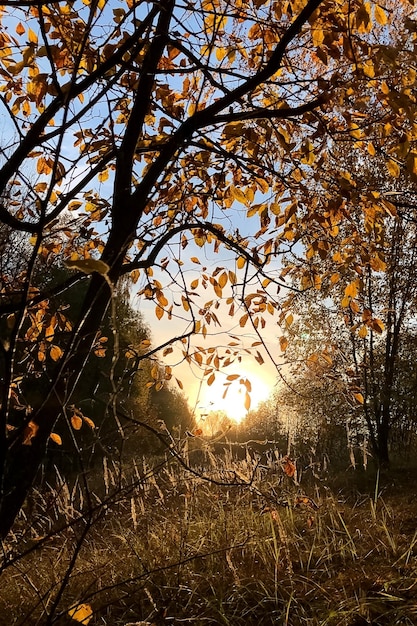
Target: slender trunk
point(24, 457)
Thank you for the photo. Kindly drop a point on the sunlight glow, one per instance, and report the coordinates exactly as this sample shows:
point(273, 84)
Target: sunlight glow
point(214, 398)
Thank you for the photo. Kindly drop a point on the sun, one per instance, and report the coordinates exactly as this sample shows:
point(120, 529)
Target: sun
point(234, 397)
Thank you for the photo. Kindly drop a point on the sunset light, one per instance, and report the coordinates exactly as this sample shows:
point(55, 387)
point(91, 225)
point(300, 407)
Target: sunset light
point(232, 397)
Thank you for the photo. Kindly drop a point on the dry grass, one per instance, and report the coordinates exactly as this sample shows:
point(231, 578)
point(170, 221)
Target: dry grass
point(172, 548)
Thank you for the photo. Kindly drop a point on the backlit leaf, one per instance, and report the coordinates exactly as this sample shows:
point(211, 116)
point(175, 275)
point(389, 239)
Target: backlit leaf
point(76, 422)
point(359, 397)
point(88, 266)
point(29, 432)
point(55, 353)
point(81, 613)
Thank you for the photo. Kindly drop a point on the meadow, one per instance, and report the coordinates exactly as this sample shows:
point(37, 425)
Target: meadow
point(234, 543)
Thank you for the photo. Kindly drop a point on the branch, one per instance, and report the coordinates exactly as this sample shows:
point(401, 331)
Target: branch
point(269, 114)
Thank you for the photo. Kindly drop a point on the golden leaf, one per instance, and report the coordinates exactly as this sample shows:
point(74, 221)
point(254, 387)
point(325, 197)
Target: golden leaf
point(393, 168)
point(351, 291)
point(159, 312)
point(103, 176)
point(238, 194)
point(223, 279)
point(247, 401)
point(380, 15)
point(20, 29)
point(55, 353)
point(32, 36)
point(81, 613)
point(56, 438)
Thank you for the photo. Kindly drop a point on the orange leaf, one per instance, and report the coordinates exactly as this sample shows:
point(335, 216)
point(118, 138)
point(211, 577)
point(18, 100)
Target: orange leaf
point(81, 613)
point(56, 438)
point(76, 422)
point(29, 432)
point(55, 353)
point(359, 397)
point(288, 466)
point(89, 422)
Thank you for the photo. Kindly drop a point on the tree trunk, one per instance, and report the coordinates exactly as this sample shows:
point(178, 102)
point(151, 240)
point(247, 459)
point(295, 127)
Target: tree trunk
point(24, 457)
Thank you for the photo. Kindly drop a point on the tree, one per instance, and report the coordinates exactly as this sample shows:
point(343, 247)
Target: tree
point(142, 134)
point(361, 319)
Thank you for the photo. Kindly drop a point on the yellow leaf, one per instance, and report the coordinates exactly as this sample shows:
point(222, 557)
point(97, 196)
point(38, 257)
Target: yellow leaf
point(247, 401)
point(221, 53)
point(351, 291)
point(393, 168)
point(380, 15)
point(103, 176)
point(317, 35)
point(371, 148)
point(88, 266)
point(363, 331)
point(42, 166)
point(241, 262)
point(56, 438)
point(238, 194)
point(161, 298)
point(32, 36)
point(81, 613)
point(223, 279)
point(289, 320)
point(159, 312)
point(211, 379)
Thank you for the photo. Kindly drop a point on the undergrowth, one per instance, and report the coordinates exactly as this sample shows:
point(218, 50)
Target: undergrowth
point(252, 547)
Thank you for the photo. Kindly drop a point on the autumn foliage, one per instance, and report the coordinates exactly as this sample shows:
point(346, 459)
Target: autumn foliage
point(140, 138)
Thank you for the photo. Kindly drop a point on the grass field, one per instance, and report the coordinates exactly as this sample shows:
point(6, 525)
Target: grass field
point(168, 547)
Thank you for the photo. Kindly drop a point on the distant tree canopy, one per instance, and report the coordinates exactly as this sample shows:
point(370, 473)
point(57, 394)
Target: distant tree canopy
point(139, 138)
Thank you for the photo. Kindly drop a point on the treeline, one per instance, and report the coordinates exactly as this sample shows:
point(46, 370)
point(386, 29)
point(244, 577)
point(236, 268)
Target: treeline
point(116, 368)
